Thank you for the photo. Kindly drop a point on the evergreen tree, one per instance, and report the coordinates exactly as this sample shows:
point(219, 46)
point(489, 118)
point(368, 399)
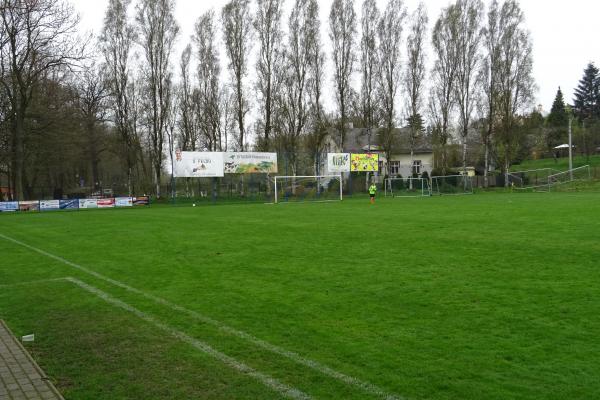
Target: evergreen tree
point(587, 94)
point(557, 121)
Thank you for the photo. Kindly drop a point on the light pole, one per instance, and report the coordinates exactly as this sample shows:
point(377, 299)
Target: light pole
point(570, 114)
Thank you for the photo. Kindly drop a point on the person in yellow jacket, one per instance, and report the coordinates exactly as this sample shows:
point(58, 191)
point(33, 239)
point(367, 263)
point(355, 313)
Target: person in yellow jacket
point(372, 192)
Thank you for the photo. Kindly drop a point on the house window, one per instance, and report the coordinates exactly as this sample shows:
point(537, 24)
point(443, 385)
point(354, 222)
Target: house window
point(417, 167)
point(394, 168)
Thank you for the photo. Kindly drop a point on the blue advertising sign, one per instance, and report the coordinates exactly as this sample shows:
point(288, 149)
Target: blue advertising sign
point(9, 206)
point(72, 204)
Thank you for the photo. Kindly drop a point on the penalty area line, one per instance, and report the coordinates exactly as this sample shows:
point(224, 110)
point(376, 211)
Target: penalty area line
point(315, 365)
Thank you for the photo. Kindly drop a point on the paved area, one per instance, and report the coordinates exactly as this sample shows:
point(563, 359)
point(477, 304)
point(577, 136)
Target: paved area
point(20, 376)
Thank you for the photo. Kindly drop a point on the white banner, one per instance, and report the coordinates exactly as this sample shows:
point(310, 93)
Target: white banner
point(123, 202)
point(198, 165)
point(88, 203)
point(47, 205)
point(250, 163)
point(338, 162)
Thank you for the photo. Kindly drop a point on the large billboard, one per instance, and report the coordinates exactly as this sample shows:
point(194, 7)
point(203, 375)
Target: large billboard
point(250, 163)
point(338, 162)
point(198, 165)
point(364, 163)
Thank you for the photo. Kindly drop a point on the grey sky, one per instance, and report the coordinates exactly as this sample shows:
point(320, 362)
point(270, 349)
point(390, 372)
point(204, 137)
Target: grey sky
point(559, 59)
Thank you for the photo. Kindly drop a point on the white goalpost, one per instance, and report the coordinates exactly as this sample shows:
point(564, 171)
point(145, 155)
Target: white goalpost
point(308, 188)
point(407, 187)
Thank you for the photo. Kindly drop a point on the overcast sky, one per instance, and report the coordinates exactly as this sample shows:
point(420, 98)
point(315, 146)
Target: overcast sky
point(566, 34)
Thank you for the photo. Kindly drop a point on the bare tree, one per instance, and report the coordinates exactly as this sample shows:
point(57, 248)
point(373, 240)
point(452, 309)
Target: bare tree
point(390, 44)
point(468, 53)
point(188, 134)
point(36, 37)
point(294, 100)
point(319, 125)
point(515, 81)
point(237, 24)
point(157, 32)
point(415, 74)
point(116, 42)
point(342, 30)
point(369, 65)
point(488, 79)
point(444, 75)
point(268, 28)
point(209, 70)
point(92, 93)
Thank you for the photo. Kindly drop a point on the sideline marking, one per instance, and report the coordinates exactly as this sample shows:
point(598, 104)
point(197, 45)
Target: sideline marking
point(315, 365)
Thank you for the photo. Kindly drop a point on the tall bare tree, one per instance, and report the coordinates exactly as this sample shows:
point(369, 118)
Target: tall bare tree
point(237, 28)
point(157, 32)
point(369, 65)
point(468, 53)
point(488, 79)
point(515, 81)
point(186, 123)
point(444, 75)
point(294, 101)
point(342, 31)
point(390, 30)
point(268, 28)
point(116, 42)
point(319, 125)
point(414, 80)
point(209, 70)
point(92, 93)
point(36, 37)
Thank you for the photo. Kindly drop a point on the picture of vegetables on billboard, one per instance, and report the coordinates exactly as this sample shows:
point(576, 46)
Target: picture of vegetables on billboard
point(364, 163)
point(250, 163)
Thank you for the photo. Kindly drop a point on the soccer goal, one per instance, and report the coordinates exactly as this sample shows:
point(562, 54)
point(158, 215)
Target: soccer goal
point(407, 187)
point(452, 185)
point(535, 179)
point(308, 188)
point(576, 174)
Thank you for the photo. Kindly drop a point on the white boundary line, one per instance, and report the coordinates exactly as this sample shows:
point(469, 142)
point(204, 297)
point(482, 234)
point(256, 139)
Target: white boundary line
point(267, 380)
point(315, 365)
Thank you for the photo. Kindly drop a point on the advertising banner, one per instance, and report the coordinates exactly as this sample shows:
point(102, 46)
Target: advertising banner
point(69, 204)
point(50, 205)
point(123, 202)
point(106, 203)
point(365, 163)
point(88, 203)
point(141, 201)
point(338, 162)
point(198, 165)
point(250, 163)
point(9, 206)
point(29, 205)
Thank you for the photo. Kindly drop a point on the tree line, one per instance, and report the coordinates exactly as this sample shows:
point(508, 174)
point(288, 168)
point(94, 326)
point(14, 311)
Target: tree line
point(78, 114)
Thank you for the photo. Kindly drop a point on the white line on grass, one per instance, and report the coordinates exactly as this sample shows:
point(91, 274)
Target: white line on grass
point(315, 365)
point(267, 380)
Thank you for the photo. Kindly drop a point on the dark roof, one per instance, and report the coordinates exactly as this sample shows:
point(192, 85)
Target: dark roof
point(357, 141)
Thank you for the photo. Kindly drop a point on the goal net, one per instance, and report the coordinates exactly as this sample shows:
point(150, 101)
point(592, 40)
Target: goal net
point(572, 175)
point(308, 188)
point(407, 187)
point(530, 179)
point(453, 185)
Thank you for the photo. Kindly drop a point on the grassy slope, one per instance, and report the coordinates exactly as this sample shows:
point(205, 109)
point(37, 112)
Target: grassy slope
point(488, 296)
point(561, 164)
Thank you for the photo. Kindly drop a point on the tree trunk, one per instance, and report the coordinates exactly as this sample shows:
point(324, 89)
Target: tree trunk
point(487, 164)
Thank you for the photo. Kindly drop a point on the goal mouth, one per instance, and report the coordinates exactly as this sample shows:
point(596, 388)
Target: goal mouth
point(316, 188)
point(407, 187)
point(452, 185)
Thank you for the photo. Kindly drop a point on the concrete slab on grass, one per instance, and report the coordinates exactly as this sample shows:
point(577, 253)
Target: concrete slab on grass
point(20, 376)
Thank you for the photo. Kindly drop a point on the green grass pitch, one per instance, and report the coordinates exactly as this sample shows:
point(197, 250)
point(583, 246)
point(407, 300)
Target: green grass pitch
point(492, 296)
